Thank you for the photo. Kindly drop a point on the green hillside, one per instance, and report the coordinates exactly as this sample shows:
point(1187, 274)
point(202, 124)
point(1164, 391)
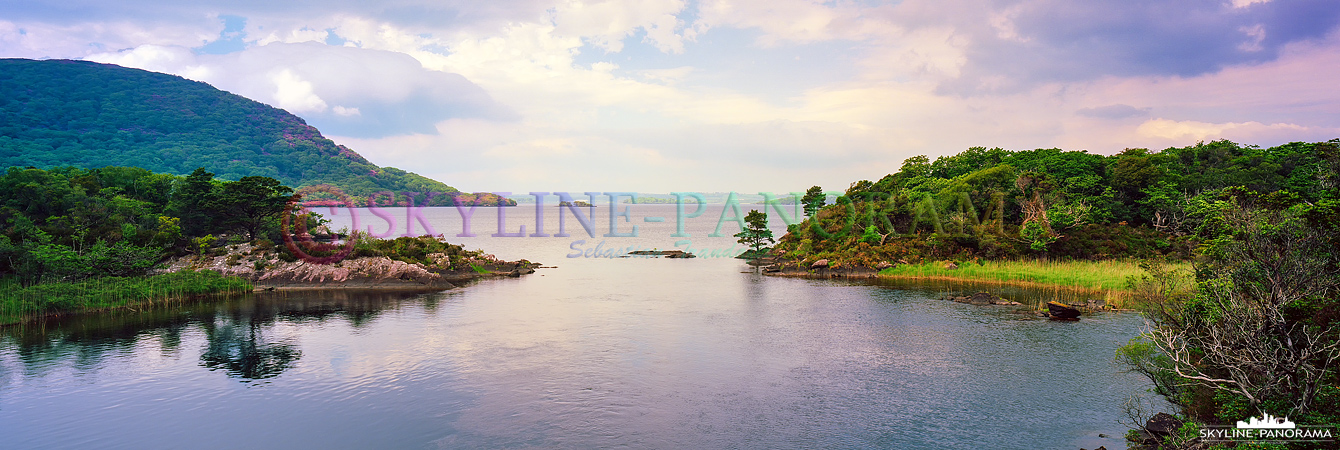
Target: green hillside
point(76, 113)
point(993, 204)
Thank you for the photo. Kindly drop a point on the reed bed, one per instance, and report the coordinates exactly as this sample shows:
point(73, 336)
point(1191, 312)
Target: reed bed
point(19, 303)
point(1069, 279)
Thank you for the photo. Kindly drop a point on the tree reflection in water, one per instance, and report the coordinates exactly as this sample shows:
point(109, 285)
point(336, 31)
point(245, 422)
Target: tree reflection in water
point(238, 346)
point(238, 332)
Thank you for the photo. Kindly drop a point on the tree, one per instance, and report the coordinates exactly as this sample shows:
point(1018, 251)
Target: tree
point(195, 202)
point(247, 203)
point(756, 234)
point(1260, 330)
point(813, 200)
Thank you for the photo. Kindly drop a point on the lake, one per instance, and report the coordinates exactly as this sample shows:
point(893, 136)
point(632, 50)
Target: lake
point(593, 353)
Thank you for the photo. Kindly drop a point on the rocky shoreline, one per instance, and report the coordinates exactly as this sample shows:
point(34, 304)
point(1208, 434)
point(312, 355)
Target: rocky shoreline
point(267, 271)
point(773, 266)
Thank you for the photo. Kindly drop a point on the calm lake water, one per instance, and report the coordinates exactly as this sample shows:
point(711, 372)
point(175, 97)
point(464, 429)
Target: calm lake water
point(595, 353)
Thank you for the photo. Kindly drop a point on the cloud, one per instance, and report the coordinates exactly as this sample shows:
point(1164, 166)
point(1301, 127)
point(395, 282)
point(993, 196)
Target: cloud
point(295, 94)
point(1012, 46)
point(1117, 111)
point(341, 90)
point(1189, 130)
point(663, 95)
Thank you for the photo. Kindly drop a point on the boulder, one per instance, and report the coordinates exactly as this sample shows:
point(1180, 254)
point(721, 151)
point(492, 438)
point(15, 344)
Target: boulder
point(772, 269)
point(820, 264)
point(1058, 310)
point(1163, 424)
point(983, 298)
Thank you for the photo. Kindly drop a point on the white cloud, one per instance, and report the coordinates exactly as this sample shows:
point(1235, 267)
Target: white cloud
point(377, 92)
point(1190, 130)
point(295, 94)
point(1246, 3)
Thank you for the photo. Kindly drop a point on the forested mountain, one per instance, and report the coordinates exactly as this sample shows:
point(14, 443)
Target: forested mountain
point(76, 113)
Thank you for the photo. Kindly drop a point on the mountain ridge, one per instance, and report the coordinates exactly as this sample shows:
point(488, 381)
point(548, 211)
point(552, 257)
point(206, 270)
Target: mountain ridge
point(87, 114)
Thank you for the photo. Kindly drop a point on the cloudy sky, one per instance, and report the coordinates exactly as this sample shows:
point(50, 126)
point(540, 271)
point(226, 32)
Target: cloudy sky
point(716, 95)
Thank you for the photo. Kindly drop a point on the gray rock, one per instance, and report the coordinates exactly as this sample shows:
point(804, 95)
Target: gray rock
point(1163, 424)
point(983, 298)
point(820, 264)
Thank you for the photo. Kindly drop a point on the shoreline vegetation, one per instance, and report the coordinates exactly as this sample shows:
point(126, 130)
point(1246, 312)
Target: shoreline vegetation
point(1252, 331)
point(75, 240)
point(20, 304)
point(1109, 280)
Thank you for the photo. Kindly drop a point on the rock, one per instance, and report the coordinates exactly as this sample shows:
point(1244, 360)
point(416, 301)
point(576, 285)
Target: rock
point(514, 273)
point(961, 299)
point(1163, 424)
point(884, 265)
point(1004, 302)
point(983, 298)
point(1060, 311)
point(665, 253)
point(772, 269)
point(820, 264)
point(951, 266)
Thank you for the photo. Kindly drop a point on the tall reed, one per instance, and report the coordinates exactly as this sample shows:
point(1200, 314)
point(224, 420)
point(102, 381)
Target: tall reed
point(1105, 279)
point(19, 303)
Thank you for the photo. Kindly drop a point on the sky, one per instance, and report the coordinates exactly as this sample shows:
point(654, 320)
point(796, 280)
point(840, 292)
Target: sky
point(658, 96)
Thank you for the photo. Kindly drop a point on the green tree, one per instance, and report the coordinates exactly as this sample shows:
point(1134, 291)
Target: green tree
point(1261, 328)
point(756, 234)
point(813, 200)
point(196, 203)
point(247, 203)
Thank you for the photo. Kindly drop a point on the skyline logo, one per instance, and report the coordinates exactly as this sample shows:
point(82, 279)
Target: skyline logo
point(1267, 421)
point(1268, 429)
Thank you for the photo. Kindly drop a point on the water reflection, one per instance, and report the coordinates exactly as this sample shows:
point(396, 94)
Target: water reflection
point(596, 354)
point(240, 335)
point(237, 346)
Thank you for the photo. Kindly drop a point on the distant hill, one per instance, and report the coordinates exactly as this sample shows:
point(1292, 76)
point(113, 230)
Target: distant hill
point(84, 114)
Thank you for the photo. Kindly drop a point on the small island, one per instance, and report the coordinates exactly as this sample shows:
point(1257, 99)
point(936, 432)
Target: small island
point(578, 203)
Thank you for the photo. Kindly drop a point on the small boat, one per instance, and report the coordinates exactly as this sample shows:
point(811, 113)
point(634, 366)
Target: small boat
point(1059, 310)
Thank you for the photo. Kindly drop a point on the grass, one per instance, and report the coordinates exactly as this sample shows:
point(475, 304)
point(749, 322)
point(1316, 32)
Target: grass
point(1108, 277)
point(18, 303)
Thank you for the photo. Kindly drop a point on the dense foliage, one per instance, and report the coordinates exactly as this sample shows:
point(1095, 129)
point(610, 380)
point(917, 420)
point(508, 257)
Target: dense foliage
point(69, 223)
point(996, 204)
point(57, 113)
point(1259, 332)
